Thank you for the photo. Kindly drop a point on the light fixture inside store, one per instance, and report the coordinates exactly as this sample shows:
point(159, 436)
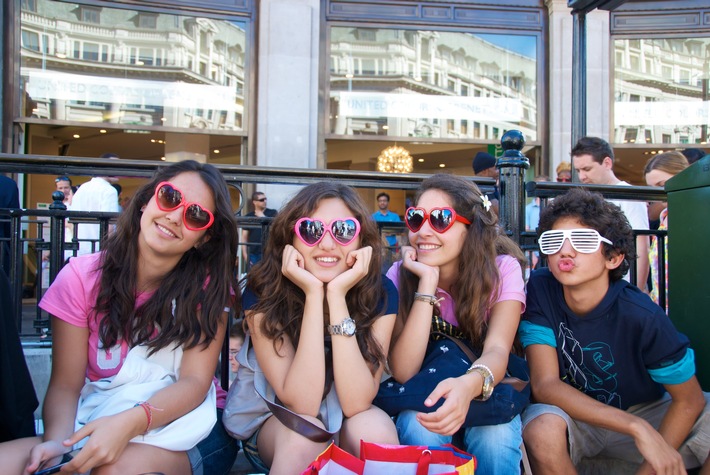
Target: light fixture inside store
point(395, 159)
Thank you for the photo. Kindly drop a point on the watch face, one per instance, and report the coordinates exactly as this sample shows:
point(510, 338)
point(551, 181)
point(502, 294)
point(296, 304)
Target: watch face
point(348, 326)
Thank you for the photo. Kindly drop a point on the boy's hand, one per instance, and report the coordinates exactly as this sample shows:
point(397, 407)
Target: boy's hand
point(660, 458)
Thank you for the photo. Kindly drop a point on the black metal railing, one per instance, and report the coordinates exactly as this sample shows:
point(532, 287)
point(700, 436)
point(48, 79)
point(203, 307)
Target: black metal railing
point(36, 257)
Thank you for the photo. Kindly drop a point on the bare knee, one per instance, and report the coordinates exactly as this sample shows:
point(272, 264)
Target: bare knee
point(15, 453)
point(283, 449)
point(144, 458)
point(546, 436)
point(372, 425)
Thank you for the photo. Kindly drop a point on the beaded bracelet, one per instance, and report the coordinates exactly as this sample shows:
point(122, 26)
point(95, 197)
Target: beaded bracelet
point(430, 299)
point(148, 408)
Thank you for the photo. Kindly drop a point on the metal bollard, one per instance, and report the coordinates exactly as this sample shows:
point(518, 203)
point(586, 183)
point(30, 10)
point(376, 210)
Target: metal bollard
point(512, 165)
point(56, 233)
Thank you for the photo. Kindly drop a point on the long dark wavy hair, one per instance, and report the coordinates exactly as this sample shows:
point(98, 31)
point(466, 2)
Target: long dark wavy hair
point(282, 302)
point(478, 280)
point(187, 306)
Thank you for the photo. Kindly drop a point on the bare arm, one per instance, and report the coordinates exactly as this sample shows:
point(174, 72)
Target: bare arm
point(297, 375)
point(642, 263)
point(69, 361)
point(355, 381)
point(687, 403)
point(243, 242)
point(410, 338)
point(459, 392)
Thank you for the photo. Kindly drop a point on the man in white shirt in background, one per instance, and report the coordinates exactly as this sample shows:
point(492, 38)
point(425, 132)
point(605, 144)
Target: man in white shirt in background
point(593, 159)
point(98, 194)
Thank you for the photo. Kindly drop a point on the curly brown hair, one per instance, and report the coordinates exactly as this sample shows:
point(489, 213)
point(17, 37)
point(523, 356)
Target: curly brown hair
point(282, 302)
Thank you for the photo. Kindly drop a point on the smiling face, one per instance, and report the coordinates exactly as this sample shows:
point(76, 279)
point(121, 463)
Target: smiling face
point(326, 260)
point(438, 249)
point(163, 233)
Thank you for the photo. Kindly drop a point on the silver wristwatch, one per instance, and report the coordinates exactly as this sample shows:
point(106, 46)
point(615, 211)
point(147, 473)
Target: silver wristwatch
point(345, 328)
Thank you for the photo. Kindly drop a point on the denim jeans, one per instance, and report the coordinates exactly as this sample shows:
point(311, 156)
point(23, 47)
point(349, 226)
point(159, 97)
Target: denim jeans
point(215, 454)
point(496, 448)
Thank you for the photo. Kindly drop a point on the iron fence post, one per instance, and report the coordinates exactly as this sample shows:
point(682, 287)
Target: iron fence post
point(16, 265)
point(56, 233)
point(512, 165)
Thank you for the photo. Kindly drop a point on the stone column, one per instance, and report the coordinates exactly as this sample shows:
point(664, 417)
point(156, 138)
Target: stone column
point(560, 74)
point(287, 127)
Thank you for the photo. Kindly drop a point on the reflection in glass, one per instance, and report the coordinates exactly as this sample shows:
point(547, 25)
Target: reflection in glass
point(661, 90)
point(431, 84)
point(106, 65)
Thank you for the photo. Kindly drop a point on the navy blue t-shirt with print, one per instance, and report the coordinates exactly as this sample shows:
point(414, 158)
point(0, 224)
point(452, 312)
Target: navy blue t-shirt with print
point(249, 299)
point(621, 353)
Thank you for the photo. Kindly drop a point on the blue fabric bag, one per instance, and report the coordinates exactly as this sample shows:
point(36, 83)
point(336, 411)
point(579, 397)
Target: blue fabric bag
point(450, 358)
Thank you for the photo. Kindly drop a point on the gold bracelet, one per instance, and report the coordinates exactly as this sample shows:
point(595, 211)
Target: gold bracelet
point(488, 381)
point(428, 298)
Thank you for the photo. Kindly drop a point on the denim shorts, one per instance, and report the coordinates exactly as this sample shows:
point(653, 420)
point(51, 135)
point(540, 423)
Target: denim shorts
point(216, 454)
point(251, 453)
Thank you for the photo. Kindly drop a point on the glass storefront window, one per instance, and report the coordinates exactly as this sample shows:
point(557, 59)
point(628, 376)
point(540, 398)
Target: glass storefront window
point(102, 65)
point(661, 91)
point(432, 84)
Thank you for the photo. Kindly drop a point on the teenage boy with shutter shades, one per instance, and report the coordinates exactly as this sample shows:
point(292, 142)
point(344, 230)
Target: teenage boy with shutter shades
point(611, 375)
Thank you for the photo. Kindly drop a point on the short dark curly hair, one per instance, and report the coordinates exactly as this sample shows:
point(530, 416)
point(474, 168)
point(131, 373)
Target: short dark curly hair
point(592, 210)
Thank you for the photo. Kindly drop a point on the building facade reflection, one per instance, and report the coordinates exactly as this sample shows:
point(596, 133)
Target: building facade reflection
point(431, 84)
point(84, 63)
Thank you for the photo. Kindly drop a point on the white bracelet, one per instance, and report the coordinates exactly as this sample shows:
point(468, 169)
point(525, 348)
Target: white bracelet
point(430, 299)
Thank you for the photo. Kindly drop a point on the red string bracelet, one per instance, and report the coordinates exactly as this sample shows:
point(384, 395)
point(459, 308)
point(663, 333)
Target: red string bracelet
point(148, 408)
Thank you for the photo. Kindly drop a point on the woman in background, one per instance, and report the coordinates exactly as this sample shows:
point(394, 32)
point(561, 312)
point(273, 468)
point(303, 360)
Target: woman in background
point(659, 169)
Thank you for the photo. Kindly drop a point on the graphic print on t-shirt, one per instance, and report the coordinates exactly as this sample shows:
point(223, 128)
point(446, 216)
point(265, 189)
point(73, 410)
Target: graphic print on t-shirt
point(589, 369)
point(108, 358)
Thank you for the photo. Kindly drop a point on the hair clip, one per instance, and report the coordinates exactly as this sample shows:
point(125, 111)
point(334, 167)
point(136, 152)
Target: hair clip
point(486, 202)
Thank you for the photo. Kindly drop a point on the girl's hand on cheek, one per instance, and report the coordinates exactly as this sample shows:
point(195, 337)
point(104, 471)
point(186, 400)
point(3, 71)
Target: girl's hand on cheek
point(359, 263)
point(294, 268)
point(410, 262)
